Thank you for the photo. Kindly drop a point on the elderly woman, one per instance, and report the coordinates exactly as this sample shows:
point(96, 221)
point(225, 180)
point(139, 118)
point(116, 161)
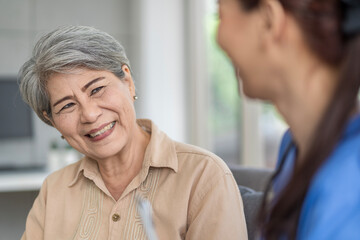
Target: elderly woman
point(79, 81)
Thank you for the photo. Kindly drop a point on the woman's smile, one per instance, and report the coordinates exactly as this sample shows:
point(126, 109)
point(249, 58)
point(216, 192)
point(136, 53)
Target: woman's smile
point(101, 132)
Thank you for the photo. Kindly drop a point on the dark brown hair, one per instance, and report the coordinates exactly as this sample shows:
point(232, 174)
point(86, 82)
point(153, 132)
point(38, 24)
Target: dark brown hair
point(321, 23)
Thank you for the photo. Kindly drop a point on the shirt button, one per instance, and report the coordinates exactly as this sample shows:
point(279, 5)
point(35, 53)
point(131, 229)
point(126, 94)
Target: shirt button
point(116, 217)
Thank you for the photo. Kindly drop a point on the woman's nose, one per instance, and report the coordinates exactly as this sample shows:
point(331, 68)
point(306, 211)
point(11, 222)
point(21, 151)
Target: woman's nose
point(90, 112)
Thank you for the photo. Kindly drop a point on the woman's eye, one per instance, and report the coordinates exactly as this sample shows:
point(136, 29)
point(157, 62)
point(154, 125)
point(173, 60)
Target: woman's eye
point(96, 90)
point(67, 106)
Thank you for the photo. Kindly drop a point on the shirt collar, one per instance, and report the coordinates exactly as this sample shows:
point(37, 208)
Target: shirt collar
point(87, 168)
point(160, 153)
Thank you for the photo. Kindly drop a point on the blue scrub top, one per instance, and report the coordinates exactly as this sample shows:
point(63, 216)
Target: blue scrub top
point(331, 209)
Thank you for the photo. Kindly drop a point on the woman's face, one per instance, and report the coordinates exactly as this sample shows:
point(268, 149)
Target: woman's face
point(240, 37)
point(93, 110)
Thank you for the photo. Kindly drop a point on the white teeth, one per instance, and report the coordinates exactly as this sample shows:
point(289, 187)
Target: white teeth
point(109, 126)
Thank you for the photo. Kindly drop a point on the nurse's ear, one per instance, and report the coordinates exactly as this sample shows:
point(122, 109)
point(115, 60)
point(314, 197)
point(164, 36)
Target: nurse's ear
point(274, 20)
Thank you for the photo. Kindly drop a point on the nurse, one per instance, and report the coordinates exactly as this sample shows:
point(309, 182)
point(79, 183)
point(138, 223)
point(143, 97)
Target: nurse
point(304, 57)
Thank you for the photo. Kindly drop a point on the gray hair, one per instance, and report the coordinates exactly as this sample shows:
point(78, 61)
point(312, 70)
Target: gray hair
point(61, 51)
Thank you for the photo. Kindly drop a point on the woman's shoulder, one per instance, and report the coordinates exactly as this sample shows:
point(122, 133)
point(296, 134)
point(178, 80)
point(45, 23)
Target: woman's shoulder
point(64, 176)
point(340, 174)
point(197, 157)
point(334, 196)
point(345, 159)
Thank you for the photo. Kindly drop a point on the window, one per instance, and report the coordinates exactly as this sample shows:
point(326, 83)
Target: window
point(224, 121)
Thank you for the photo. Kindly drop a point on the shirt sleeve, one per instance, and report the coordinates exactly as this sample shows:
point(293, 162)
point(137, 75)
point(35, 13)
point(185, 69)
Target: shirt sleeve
point(35, 222)
point(218, 213)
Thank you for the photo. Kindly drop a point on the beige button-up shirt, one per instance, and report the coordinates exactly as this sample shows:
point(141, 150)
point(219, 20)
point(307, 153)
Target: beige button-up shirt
point(192, 192)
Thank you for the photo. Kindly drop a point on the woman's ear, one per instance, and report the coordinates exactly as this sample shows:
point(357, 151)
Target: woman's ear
point(128, 79)
point(126, 69)
point(274, 19)
point(47, 117)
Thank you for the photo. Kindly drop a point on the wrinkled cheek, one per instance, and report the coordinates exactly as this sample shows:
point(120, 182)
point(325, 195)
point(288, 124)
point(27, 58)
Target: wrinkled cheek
point(128, 116)
point(76, 144)
point(63, 124)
